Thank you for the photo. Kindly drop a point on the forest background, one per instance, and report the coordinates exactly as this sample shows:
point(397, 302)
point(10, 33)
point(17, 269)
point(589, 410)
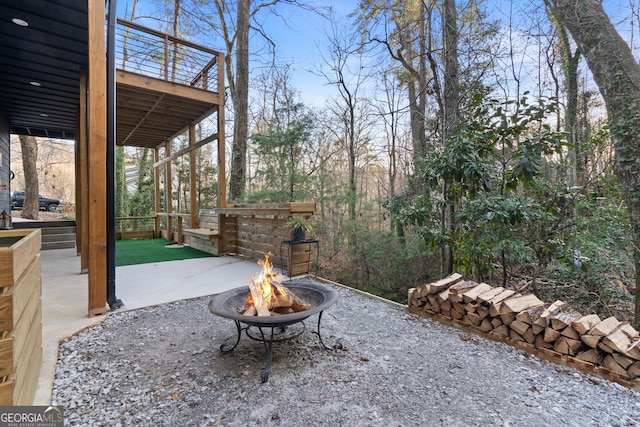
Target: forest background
point(434, 136)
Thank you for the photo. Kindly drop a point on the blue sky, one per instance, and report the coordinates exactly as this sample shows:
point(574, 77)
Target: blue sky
point(299, 36)
point(297, 33)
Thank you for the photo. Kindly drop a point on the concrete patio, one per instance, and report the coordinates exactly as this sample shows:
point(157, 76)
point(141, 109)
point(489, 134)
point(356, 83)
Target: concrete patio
point(65, 295)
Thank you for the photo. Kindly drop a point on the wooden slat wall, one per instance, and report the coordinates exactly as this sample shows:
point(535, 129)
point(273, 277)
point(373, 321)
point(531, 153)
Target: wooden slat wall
point(20, 317)
point(253, 230)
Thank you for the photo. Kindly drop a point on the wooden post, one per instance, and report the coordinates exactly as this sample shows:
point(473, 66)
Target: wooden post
point(156, 178)
point(168, 186)
point(193, 191)
point(97, 161)
point(222, 180)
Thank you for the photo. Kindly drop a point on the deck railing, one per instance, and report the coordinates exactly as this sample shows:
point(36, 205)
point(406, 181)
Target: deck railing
point(135, 227)
point(151, 53)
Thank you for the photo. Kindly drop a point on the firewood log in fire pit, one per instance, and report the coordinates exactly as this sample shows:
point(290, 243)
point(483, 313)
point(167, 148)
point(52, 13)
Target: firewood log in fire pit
point(268, 297)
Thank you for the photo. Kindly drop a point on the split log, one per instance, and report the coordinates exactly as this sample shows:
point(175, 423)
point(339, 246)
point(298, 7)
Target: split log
point(489, 295)
point(486, 325)
point(530, 315)
point(592, 355)
point(515, 336)
point(507, 318)
point(634, 351)
point(423, 291)
point(279, 301)
point(570, 332)
point(605, 327)
point(496, 322)
point(552, 309)
point(458, 308)
point(560, 320)
point(472, 295)
point(443, 296)
point(529, 336)
point(590, 340)
point(501, 330)
point(620, 339)
point(435, 307)
point(610, 363)
point(494, 309)
point(471, 307)
point(482, 311)
point(568, 346)
point(551, 335)
point(445, 307)
point(634, 370)
point(412, 298)
point(583, 324)
point(442, 284)
point(602, 346)
point(519, 326)
point(257, 297)
point(474, 319)
point(625, 362)
point(433, 299)
point(537, 328)
point(541, 343)
point(518, 304)
point(456, 290)
point(496, 301)
point(250, 311)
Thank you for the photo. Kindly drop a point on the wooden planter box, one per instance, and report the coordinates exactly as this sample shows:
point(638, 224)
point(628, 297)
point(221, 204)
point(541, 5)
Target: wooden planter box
point(20, 316)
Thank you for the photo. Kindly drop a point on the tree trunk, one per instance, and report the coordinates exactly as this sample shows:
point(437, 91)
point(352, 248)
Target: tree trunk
point(570, 62)
point(240, 104)
point(450, 112)
point(31, 205)
point(122, 196)
point(617, 75)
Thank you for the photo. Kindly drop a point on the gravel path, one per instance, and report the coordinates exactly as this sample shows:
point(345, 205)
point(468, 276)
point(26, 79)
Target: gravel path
point(161, 366)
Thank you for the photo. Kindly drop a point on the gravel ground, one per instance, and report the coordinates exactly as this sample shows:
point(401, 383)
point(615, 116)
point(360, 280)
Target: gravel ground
point(161, 366)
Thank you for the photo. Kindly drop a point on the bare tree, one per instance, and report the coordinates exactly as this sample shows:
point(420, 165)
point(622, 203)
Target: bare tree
point(617, 75)
point(234, 24)
point(346, 71)
point(31, 205)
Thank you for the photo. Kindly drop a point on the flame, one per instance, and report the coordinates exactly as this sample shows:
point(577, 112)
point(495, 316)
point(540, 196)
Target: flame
point(266, 284)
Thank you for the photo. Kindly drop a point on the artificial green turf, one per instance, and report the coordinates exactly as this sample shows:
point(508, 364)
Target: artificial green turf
point(132, 252)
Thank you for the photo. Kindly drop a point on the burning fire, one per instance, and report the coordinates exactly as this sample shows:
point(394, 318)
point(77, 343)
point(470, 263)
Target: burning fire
point(267, 296)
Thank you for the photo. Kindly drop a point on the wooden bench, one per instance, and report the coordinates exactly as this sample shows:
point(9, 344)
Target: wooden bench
point(206, 236)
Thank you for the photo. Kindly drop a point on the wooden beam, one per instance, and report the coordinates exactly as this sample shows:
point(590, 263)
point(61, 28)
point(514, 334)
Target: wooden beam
point(188, 149)
point(136, 80)
point(97, 161)
point(82, 187)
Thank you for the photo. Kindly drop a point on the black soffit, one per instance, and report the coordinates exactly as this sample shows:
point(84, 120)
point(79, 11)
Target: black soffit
point(50, 52)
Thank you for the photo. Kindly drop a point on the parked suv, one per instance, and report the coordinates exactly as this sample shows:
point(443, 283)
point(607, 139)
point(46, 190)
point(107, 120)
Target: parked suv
point(46, 203)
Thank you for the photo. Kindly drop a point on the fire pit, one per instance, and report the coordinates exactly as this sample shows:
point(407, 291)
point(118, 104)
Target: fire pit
point(313, 299)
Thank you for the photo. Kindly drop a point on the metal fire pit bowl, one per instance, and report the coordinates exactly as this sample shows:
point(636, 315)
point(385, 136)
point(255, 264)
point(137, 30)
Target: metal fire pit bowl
point(263, 328)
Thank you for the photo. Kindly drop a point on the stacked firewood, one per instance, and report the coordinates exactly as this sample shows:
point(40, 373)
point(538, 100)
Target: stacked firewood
point(524, 320)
